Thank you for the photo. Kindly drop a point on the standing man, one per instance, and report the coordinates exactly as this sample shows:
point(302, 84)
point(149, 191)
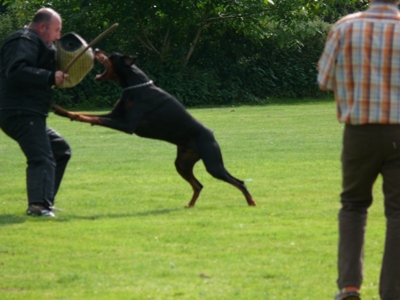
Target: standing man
point(27, 74)
point(361, 64)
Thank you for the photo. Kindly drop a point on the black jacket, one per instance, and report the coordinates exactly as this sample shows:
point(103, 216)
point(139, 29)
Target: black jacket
point(27, 68)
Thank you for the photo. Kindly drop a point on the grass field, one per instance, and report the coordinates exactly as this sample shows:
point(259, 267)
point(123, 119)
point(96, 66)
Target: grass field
point(124, 233)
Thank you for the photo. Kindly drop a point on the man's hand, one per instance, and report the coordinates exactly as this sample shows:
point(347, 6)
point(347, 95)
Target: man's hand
point(60, 76)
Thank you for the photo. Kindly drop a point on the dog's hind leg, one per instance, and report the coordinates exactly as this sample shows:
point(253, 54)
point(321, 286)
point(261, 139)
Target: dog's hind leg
point(184, 163)
point(211, 155)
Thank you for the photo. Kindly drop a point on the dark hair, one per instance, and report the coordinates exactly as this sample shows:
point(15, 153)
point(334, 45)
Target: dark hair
point(42, 16)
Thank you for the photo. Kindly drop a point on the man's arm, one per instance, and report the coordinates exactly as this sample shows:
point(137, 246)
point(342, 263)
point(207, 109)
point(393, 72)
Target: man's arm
point(20, 60)
point(327, 62)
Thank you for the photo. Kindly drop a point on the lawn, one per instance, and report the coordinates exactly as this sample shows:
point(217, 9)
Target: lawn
point(124, 232)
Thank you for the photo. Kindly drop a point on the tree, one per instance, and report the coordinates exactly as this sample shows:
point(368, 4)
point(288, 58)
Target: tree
point(202, 51)
point(172, 29)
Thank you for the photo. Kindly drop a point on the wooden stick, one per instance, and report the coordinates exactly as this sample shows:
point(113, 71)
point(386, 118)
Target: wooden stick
point(101, 36)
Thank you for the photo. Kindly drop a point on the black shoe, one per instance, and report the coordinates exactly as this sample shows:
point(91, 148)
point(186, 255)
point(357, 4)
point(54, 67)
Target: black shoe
point(349, 295)
point(38, 210)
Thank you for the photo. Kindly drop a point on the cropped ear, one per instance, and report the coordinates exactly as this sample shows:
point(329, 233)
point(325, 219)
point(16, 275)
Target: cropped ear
point(129, 60)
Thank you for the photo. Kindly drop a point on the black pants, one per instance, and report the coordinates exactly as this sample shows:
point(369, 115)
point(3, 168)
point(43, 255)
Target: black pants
point(369, 150)
point(47, 154)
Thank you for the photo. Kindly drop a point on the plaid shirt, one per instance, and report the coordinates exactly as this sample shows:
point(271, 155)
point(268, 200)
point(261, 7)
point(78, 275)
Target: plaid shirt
point(361, 64)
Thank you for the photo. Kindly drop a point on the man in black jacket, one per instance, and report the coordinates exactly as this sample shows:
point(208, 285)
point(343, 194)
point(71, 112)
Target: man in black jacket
point(27, 74)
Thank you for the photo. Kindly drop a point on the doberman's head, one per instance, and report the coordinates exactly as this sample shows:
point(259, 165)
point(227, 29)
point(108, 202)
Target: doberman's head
point(118, 68)
point(113, 63)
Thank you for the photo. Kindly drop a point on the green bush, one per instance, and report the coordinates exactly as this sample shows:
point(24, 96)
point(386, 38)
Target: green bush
point(8, 23)
point(240, 70)
point(228, 67)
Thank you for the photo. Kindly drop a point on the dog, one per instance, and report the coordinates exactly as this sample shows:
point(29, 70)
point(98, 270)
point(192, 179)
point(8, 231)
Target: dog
point(150, 112)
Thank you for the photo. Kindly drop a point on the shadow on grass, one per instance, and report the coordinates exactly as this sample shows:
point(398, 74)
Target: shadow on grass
point(11, 219)
point(64, 217)
point(69, 217)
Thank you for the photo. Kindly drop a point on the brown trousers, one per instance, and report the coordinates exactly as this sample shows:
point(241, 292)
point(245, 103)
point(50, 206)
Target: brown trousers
point(369, 150)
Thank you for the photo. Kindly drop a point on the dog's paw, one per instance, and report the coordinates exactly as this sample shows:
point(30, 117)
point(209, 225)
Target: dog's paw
point(58, 110)
point(252, 203)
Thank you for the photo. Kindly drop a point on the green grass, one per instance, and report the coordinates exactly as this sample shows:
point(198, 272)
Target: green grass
point(124, 233)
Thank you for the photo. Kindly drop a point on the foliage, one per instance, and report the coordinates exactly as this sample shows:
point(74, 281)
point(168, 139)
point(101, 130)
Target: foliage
point(202, 51)
point(8, 23)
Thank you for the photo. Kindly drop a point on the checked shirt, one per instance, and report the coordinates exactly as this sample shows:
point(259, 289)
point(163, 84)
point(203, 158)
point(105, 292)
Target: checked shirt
point(361, 64)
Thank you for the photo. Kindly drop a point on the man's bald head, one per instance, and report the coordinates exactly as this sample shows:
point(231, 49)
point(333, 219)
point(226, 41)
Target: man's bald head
point(47, 23)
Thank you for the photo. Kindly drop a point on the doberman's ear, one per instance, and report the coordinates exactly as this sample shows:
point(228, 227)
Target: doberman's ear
point(129, 60)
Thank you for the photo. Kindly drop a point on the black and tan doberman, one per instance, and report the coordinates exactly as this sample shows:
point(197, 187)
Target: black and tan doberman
point(148, 111)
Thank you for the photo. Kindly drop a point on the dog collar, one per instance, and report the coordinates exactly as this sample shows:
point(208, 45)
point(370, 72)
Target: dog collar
point(138, 85)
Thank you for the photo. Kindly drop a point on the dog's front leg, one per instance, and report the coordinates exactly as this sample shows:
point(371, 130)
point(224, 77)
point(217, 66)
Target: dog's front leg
point(125, 118)
point(127, 124)
point(58, 110)
point(75, 116)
